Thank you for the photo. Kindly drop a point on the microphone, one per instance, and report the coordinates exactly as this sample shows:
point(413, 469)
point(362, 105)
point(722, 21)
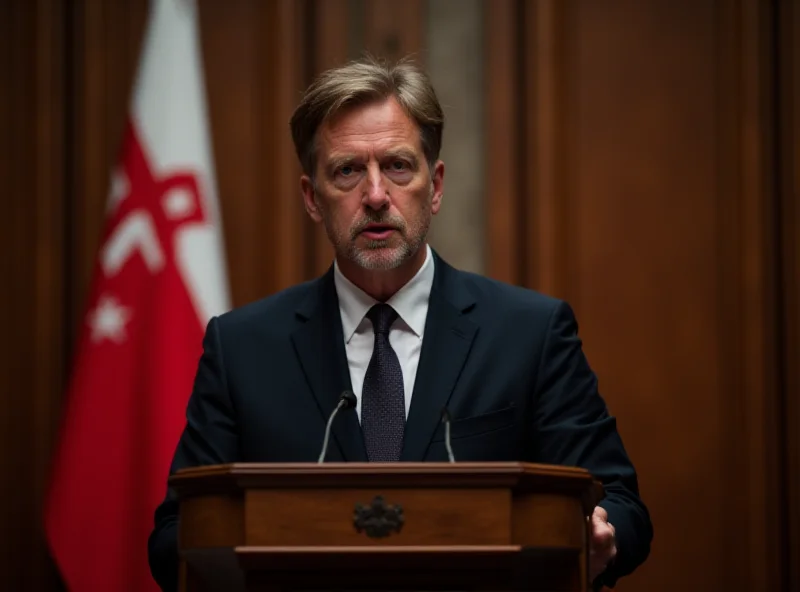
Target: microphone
point(447, 445)
point(347, 400)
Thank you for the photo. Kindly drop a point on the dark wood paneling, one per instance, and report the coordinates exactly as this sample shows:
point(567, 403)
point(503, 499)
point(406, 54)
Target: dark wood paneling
point(503, 153)
point(332, 30)
point(674, 281)
point(32, 231)
point(291, 226)
point(645, 260)
point(547, 113)
point(788, 126)
point(647, 188)
point(18, 43)
point(231, 34)
point(255, 60)
point(47, 337)
point(394, 29)
point(751, 322)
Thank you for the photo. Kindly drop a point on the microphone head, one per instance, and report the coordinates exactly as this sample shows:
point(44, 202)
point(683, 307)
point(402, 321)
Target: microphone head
point(349, 398)
point(445, 415)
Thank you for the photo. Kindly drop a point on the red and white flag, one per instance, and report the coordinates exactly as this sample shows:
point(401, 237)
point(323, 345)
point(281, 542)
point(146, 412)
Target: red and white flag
point(160, 275)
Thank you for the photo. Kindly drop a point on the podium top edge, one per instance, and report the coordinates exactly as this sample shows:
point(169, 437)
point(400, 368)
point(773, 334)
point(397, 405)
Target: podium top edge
point(235, 478)
point(383, 469)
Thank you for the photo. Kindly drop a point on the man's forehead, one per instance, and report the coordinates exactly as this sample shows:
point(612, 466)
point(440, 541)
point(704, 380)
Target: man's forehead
point(369, 122)
point(380, 108)
point(343, 147)
point(377, 150)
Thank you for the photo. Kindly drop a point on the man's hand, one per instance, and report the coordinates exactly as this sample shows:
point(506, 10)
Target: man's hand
point(602, 543)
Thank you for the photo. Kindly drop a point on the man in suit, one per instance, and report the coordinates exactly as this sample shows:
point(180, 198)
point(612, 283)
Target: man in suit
point(407, 333)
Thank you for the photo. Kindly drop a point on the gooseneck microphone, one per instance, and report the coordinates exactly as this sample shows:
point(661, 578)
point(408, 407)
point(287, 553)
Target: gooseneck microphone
point(447, 444)
point(347, 400)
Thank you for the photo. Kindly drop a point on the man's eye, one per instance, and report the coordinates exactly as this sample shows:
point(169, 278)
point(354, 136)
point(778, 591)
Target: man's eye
point(399, 165)
point(346, 170)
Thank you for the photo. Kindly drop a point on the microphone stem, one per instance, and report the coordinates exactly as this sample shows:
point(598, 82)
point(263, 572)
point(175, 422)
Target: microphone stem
point(321, 458)
point(447, 441)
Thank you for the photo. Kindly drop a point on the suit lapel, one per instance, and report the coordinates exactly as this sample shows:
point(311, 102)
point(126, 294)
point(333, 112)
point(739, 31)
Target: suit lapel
point(319, 345)
point(448, 337)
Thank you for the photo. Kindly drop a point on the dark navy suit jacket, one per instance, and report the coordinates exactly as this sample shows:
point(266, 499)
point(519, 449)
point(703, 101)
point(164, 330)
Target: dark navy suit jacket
point(506, 362)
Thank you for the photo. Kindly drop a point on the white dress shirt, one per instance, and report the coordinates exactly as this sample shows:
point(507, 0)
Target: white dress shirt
point(405, 336)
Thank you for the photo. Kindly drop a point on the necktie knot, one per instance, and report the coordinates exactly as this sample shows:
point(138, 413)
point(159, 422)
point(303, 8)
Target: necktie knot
point(382, 316)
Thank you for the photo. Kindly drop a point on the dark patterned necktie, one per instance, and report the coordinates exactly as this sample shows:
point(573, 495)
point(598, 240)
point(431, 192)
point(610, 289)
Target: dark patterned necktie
point(383, 407)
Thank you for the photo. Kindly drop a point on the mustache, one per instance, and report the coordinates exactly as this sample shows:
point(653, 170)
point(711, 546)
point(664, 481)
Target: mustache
point(378, 218)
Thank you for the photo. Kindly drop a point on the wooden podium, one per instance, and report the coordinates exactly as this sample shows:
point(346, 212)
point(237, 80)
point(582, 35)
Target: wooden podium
point(393, 526)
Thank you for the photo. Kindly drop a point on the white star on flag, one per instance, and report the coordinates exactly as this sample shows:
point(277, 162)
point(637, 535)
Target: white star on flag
point(178, 204)
point(108, 320)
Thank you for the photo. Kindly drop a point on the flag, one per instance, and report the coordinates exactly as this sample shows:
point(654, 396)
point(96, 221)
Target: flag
point(159, 277)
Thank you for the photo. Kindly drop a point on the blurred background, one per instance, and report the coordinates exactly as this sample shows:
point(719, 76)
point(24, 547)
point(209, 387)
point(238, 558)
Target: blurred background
point(638, 158)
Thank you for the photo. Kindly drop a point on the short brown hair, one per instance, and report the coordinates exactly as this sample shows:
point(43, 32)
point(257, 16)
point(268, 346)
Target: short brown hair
point(360, 82)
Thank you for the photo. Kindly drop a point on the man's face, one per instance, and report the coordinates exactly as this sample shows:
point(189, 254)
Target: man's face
point(374, 190)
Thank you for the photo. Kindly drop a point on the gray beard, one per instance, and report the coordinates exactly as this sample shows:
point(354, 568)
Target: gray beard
point(367, 258)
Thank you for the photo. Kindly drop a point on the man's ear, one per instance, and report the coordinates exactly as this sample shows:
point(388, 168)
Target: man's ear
point(437, 177)
point(309, 198)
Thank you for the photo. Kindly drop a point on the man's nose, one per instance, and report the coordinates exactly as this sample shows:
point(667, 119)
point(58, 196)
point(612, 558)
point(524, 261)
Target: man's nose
point(375, 195)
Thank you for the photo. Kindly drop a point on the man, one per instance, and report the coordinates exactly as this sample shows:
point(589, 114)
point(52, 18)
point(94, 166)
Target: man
point(407, 333)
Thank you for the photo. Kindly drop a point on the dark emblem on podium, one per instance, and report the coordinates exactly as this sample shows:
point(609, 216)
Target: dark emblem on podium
point(378, 519)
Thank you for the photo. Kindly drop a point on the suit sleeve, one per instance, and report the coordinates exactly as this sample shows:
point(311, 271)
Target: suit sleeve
point(209, 437)
point(573, 428)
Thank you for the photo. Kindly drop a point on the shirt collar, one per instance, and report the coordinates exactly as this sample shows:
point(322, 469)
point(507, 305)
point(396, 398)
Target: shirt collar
point(410, 301)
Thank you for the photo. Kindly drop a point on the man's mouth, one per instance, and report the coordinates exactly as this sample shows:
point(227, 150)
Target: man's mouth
point(378, 231)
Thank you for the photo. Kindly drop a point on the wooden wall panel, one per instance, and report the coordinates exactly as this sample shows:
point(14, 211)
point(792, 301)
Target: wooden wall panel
point(754, 376)
point(504, 151)
point(16, 361)
point(548, 117)
point(788, 128)
point(674, 279)
point(646, 180)
point(47, 338)
point(292, 227)
point(394, 29)
point(644, 173)
point(329, 48)
point(230, 35)
point(32, 143)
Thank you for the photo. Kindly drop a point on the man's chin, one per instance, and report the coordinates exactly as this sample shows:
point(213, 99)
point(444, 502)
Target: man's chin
point(380, 258)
